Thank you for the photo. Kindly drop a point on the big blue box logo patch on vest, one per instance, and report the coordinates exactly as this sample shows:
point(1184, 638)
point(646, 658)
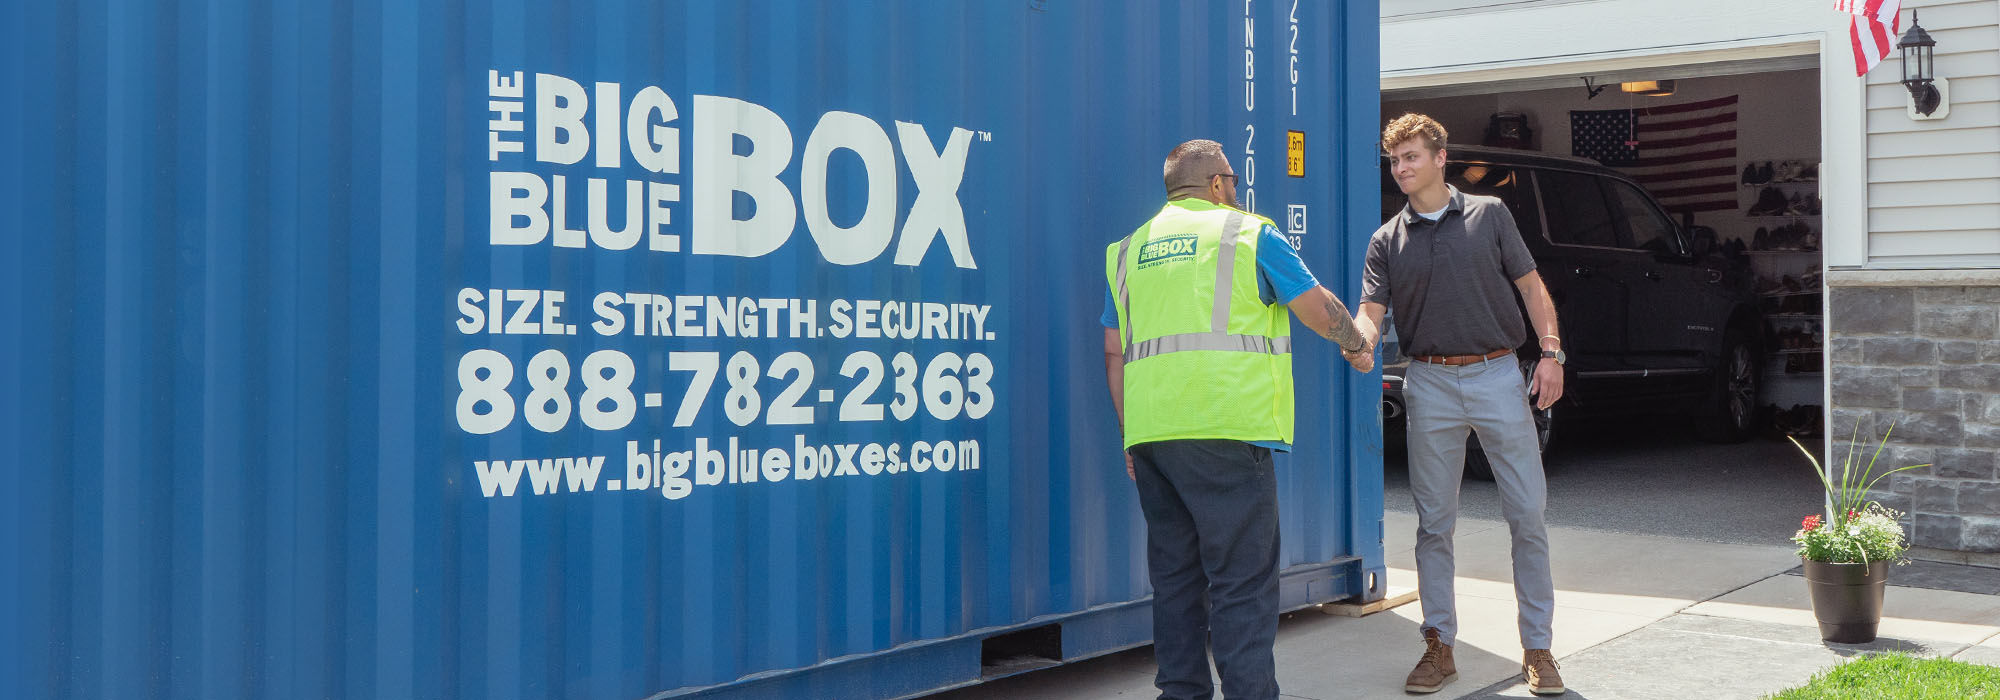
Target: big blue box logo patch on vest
point(1166, 250)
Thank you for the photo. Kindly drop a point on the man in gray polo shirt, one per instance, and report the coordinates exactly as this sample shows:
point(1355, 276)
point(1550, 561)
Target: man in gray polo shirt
point(1450, 264)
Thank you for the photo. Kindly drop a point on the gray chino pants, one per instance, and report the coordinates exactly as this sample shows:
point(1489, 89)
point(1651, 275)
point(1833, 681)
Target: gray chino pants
point(1444, 404)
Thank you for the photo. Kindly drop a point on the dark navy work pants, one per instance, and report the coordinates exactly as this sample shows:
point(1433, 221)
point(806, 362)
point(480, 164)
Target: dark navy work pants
point(1212, 552)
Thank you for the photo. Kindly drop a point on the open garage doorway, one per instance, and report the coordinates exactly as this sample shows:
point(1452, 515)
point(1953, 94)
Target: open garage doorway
point(1676, 216)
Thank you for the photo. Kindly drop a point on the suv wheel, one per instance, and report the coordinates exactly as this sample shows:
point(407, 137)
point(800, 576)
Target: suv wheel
point(1730, 412)
point(1478, 466)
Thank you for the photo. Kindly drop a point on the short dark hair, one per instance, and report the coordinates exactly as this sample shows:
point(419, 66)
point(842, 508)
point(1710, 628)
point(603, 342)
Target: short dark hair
point(1191, 164)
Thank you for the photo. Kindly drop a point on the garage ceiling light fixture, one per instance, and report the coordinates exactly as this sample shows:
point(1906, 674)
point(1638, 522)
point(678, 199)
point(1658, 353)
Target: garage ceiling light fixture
point(1918, 72)
point(1649, 88)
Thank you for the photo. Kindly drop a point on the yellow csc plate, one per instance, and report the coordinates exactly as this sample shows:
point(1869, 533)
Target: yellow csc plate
point(1295, 153)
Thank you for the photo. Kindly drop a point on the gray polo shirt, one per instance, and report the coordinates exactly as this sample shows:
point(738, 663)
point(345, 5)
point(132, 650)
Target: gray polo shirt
point(1450, 283)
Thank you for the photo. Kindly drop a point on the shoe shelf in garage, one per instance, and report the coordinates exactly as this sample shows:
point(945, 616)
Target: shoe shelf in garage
point(1780, 200)
point(1794, 359)
point(1778, 172)
point(1794, 332)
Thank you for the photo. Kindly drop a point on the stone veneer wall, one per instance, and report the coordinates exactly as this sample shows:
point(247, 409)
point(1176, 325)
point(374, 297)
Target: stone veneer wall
point(1927, 360)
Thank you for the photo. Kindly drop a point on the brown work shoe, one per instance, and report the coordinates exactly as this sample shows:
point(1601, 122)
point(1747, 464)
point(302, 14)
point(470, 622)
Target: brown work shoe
point(1435, 669)
point(1540, 668)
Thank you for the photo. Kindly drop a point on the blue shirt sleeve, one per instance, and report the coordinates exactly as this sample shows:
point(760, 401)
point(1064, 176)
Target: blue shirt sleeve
point(1110, 316)
point(1281, 274)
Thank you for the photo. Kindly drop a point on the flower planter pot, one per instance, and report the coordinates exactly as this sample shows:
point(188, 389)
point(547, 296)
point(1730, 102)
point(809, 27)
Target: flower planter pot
point(1847, 599)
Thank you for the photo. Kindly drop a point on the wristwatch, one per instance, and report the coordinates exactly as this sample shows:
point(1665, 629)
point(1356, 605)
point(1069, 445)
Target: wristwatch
point(1556, 355)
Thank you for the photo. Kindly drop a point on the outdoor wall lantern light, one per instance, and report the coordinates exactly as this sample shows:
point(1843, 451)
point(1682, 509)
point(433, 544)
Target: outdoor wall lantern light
point(1919, 75)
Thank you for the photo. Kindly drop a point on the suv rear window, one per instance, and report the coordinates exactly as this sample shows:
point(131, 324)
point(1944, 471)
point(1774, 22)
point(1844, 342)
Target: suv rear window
point(1504, 181)
point(1578, 214)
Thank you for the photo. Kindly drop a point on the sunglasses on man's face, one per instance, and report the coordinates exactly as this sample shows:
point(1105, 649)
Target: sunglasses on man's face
point(1231, 176)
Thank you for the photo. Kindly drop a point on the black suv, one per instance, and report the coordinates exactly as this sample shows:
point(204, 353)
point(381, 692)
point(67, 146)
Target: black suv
point(1654, 319)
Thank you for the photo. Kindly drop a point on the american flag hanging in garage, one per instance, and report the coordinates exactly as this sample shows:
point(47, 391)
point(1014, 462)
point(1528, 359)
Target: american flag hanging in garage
point(1684, 154)
point(1873, 31)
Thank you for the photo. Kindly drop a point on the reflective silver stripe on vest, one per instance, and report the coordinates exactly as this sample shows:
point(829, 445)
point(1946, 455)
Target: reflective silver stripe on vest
point(1225, 272)
point(1125, 295)
point(1220, 342)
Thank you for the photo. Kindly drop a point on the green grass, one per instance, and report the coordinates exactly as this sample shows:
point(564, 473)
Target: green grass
point(1899, 677)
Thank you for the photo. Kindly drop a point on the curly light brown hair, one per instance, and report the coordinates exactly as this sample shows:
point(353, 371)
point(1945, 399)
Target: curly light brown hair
point(1413, 126)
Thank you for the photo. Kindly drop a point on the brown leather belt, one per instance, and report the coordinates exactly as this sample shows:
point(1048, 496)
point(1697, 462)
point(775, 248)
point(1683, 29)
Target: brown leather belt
point(1456, 360)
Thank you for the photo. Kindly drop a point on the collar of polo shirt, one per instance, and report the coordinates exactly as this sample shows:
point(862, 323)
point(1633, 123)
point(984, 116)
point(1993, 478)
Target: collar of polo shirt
point(1457, 204)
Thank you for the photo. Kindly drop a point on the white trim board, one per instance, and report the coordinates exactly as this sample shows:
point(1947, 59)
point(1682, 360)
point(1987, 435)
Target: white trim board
point(1529, 34)
point(1573, 73)
point(1758, 55)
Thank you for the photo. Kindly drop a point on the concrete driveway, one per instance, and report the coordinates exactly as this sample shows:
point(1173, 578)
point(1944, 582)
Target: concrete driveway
point(1637, 617)
point(1674, 579)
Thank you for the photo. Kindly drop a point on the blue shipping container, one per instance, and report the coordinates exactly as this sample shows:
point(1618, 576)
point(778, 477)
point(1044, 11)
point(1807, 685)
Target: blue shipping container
point(620, 349)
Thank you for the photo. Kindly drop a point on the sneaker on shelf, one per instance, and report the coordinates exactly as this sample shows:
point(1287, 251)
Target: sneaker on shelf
point(1749, 174)
point(1758, 175)
point(1760, 240)
point(1796, 205)
point(1770, 202)
point(1800, 420)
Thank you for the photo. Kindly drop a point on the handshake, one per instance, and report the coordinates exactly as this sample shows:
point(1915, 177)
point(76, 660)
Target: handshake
point(1362, 360)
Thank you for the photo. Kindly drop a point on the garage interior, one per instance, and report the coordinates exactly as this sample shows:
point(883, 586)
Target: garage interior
point(1767, 219)
point(1774, 223)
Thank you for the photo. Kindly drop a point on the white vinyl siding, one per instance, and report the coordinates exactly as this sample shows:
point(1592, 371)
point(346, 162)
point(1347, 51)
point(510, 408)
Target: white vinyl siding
point(1934, 186)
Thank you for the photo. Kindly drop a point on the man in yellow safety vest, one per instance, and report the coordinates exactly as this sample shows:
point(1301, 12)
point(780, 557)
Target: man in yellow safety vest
point(1197, 349)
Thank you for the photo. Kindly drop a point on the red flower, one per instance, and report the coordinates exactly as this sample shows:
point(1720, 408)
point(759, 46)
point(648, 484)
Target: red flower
point(1810, 524)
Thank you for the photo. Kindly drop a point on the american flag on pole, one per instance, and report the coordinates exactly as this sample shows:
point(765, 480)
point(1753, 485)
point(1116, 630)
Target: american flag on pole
point(1684, 154)
point(1873, 32)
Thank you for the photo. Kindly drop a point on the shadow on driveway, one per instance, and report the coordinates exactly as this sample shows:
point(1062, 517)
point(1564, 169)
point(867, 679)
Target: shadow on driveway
point(1634, 475)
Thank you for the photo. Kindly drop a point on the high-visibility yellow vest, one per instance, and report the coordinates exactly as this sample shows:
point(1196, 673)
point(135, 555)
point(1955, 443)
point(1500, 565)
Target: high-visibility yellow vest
point(1205, 358)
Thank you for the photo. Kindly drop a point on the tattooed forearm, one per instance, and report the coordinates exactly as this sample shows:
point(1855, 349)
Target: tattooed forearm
point(1340, 327)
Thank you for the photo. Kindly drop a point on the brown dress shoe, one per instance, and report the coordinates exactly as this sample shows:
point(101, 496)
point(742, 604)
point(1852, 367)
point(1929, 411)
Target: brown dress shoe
point(1435, 669)
point(1540, 668)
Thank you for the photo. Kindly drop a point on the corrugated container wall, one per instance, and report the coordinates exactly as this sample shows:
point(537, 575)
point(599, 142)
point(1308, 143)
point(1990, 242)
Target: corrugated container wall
point(615, 349)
